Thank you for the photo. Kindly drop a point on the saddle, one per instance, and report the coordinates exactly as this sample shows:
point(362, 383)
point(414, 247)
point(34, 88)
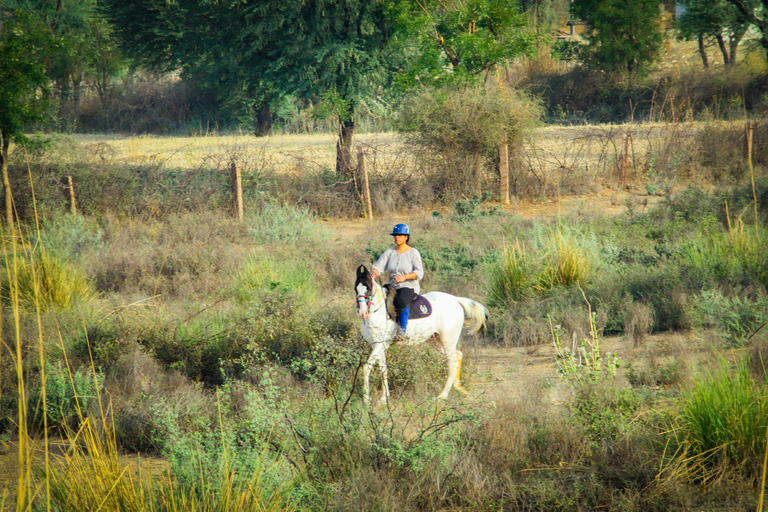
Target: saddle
point(419, 308)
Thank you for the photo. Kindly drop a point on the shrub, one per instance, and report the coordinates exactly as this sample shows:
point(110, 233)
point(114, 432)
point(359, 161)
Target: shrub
point(285, 224)
point(457, 130)
point(69, 397)
point(736, 317)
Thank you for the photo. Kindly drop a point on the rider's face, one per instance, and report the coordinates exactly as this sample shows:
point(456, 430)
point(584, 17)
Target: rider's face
point(400, 239)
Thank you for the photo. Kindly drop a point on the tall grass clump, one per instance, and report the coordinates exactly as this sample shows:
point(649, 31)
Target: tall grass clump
point(510, 278)
point(44, 281)
point(566, 264)
point(721, 425)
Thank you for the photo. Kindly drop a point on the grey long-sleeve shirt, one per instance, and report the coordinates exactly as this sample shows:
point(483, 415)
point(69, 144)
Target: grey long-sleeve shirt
point(400, 264)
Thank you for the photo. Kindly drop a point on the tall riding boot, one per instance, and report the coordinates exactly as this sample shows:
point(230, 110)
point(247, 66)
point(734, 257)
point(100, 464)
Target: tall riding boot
point(403, 320)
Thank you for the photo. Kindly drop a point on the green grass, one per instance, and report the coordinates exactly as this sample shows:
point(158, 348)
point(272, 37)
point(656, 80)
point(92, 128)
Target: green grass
point(722, 424)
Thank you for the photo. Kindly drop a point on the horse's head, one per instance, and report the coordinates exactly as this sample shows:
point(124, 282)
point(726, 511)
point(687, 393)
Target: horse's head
point(364, 291)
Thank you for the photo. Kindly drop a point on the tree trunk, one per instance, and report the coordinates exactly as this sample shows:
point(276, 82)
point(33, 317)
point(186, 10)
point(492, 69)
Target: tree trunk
point(263, 120)
point(703, 52)
point(344, 148)
point(723, 49)
point(4, 145)
point(734, 43)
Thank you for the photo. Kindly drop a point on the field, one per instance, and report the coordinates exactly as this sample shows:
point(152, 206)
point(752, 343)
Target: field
point(191, 361)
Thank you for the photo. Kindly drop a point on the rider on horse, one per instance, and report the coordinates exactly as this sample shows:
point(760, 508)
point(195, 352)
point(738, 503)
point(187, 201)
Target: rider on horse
point(405, 268)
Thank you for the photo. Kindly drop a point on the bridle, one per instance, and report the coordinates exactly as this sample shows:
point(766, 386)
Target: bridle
point(368, 298)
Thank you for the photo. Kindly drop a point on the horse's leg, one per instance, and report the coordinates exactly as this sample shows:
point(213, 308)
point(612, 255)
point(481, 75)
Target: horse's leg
point(453, 372)
point(457, 383)
point(376, 353)
point(384, 383)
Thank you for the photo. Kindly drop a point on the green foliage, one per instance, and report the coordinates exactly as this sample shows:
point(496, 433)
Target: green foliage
point(44, 281)
point(455, 43)
point(25, 46)
point(735, 317)
point(467, 210)
point(606, 411)
point(68, 236)
point(715, 19)
point(265, 275)
point(286, 224)
point(625, 37)
point(69, 397)
point(722, 423)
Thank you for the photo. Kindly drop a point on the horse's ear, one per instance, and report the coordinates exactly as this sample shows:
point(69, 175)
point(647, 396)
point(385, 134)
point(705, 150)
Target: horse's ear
point(362, 271)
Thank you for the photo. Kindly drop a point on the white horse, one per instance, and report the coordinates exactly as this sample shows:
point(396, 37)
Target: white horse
point(449, 315)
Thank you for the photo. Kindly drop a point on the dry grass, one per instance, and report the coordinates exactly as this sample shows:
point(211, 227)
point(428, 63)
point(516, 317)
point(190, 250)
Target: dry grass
point(554, 160)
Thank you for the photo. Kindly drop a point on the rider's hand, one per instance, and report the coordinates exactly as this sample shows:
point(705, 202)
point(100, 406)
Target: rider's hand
point(375, 273)
point(399, 279)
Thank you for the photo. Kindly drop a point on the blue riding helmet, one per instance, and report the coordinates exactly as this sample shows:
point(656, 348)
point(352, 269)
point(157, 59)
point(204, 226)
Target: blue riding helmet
point(401, 229)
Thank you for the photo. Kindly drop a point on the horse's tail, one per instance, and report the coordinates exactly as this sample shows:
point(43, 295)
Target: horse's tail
point(475, 314)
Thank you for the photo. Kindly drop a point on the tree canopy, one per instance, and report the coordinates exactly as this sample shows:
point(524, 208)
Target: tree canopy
point(624, 36)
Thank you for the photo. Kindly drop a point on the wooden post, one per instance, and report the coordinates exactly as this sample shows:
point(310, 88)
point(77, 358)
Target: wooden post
point(504, 171)
point(750, 130)
point(624, 162)
point(69, 193)
point(237, 190)
point(363, 173)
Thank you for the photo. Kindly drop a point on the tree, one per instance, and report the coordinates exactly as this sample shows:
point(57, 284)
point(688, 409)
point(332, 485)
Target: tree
point(455, 43)
point(254, 51)
point(754, 13)
point(714, 19)
point(85, 49)
point(625, 36)
point(25, 46)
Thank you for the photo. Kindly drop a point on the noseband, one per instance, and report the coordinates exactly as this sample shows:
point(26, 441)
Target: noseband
point(367, 297)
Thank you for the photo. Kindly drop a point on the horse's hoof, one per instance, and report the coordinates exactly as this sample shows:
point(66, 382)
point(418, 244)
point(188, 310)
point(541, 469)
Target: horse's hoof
point(442, 397)
point(367, 400)
point(383, 401)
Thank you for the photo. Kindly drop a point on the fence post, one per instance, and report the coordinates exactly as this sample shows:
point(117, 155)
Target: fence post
point(363, 173)
point(237, 190)
point(69, 193)
point(504, 171)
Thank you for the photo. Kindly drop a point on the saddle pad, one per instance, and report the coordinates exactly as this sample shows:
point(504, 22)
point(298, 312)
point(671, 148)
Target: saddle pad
point(419, 308)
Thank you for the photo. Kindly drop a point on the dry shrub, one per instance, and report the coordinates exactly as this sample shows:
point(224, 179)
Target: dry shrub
point(453, 130)
point(136, 385)
point(638, 322)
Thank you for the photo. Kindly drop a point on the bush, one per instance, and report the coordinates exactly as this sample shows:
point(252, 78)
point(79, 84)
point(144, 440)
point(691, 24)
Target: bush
point(735, 317)
point(455, 130)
